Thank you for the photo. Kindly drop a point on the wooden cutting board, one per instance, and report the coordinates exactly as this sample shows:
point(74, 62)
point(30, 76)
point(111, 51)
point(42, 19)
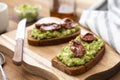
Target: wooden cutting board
point(37, 59)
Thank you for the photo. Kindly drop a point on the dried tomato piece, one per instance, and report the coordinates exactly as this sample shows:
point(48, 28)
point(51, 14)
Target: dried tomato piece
point(37, 26)
point(88, 37)
point(48, 26)
point(77, 48)
point(67, 23)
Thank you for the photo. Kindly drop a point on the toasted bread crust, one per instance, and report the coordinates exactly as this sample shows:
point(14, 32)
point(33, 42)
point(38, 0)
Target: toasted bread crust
point(79, 69)
point(52, 41)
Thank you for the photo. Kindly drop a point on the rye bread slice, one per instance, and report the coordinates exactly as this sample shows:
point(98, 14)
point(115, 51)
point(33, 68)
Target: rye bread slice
point(78, 69)
point(52, 41)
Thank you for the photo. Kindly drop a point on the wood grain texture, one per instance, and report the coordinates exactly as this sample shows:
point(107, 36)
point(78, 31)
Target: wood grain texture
point(12, 71)
point(110, 58)
point(18, 54)
point(14, 19)
point(44, 12)
point(37, 60)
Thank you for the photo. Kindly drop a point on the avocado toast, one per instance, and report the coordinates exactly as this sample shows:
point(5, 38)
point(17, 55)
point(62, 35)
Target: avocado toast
point(80, 55)
point(50, 33)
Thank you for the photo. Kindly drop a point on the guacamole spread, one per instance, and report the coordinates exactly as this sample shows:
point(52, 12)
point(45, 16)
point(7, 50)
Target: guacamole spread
point(27, 11)
point(67, 57)
point(40, 35)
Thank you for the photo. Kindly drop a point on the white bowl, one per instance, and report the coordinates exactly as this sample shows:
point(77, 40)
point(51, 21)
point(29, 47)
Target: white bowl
point(4, 17)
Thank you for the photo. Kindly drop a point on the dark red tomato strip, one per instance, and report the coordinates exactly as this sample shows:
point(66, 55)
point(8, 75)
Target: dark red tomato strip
point(48, 26)
point(67, 23)
point(88, 37)
point(77, 48)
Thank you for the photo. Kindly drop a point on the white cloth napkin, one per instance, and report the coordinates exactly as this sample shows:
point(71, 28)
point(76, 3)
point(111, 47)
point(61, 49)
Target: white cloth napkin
point(103, 18)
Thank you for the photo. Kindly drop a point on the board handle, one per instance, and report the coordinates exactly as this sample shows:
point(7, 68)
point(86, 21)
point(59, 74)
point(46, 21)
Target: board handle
point(105, 75)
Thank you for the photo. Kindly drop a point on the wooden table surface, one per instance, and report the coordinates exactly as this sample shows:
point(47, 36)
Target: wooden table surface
point(13, 19)
point(17, 73)
point(12, 71)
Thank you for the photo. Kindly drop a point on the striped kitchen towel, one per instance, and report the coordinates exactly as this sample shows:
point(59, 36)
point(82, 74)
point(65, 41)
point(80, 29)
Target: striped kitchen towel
point(103, 18)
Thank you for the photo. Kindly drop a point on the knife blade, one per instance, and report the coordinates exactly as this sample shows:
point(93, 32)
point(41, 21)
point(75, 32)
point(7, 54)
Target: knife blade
point(20, 33)
point(105, 75)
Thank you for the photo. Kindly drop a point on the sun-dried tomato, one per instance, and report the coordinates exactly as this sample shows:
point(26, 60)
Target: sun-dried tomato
point(77, 48)
point(67, 23)
point(88, 37)
point(48, 26)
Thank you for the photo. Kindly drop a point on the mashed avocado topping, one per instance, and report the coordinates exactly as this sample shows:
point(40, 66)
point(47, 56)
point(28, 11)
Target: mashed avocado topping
point(39, 35)
point(67, 56)
point(27, 11)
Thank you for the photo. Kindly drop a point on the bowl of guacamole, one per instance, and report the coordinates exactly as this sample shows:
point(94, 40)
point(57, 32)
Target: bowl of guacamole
point(27, 11)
